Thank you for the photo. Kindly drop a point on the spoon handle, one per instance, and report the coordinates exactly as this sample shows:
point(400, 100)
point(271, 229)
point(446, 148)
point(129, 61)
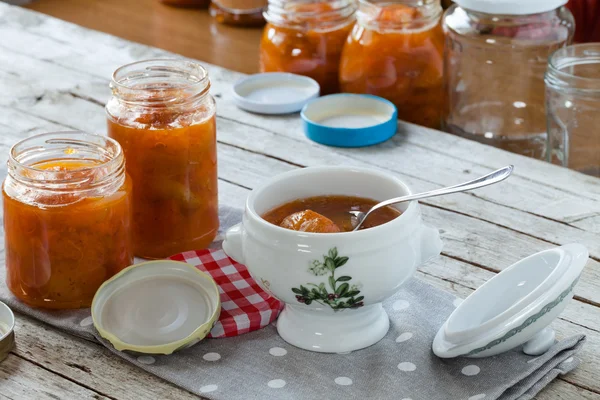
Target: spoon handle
point(489, 179)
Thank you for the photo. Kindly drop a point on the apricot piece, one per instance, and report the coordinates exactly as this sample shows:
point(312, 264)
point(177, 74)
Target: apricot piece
point(309, 221)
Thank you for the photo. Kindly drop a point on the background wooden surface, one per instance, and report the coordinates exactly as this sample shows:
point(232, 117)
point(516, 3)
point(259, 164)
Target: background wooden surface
point(54, 76)
point(186, 31)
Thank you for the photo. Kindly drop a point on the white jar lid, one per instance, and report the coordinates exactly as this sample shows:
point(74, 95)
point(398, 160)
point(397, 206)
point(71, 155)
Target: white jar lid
point(511, 7)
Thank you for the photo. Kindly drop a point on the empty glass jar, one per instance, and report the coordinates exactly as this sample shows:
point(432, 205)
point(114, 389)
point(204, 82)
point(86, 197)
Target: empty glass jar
point(495, 60)
point(573, 105)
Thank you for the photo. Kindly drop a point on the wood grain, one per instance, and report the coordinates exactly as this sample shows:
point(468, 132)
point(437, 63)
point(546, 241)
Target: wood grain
point(54, 76)
point(187, 31)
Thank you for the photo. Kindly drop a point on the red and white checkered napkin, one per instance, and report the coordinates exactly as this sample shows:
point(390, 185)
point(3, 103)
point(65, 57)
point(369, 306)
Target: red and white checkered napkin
point(245, 307)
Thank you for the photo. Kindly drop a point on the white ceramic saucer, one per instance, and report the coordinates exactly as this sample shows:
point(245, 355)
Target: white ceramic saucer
point(275, 92)
point(156, 307)
point(515, 307)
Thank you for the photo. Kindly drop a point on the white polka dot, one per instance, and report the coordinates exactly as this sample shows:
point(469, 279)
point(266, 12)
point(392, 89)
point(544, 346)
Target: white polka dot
point(343, 380)
point(147, 360)
point(404, 337)
point(569, 360)
point(407, 398)
point(208, 388)
point(457, 302)
point(277, 351)
point(471, 370)
point(211, 356)
point(87, 321)
point(407, 366)
point(344, 352)
point(400, 305)
point(276, 383)
point(477, 397)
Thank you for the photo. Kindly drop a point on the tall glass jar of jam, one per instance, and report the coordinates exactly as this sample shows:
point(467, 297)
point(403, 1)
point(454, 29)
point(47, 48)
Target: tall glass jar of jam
point(306, 37)
point(67, 218)
point(163, 116)
point(496, 56)
point(395, 51)
point(243, 13)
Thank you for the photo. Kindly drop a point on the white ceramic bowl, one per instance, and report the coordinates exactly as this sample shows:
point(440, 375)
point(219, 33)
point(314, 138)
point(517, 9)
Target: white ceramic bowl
point(306, 270)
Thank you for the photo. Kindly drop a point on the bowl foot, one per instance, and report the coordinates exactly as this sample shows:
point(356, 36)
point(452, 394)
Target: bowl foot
point(333, 332)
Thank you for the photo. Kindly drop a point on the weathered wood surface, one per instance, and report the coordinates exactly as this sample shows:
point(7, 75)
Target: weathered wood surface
point(54, 76)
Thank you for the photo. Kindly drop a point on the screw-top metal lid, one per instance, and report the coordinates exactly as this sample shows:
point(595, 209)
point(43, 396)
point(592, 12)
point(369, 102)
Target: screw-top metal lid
point(7, 335)
point(511, 7)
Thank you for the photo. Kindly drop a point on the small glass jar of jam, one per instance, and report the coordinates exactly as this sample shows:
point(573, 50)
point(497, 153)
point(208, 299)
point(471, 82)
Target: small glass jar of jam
point(395, 51)
point(187, 3)
point(495, 60)
point(67, 218)
point(242, 13)
point(162, 114)
point(306, 38)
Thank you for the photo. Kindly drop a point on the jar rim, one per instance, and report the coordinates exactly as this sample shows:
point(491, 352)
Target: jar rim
point(110, 167)
point(554, 59)
point(193, 81)
point(430, 12)
point(277, 11)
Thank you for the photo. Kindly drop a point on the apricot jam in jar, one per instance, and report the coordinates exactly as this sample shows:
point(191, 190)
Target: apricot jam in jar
point(306, 37)
point(396, 51)
point(240, 13)
point(163, 116)
point(67, 218)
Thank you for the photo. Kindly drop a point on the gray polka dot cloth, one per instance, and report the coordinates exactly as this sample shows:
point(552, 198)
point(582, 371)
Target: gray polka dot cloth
point(260, 365)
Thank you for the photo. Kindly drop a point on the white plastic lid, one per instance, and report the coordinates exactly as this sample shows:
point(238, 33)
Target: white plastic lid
point(511, 7)
point(275, 92)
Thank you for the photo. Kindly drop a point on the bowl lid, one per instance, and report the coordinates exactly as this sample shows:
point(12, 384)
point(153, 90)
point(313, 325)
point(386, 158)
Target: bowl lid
point(156, 307)
point(350, 120)
point(275, 92)
point(513, 307)
point(7, 326)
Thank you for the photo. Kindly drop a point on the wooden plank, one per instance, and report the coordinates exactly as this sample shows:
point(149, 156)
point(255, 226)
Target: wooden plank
point(21, 379)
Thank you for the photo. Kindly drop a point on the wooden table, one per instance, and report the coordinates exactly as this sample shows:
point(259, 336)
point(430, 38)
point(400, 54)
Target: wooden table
point(54, 76)
point(189, 32)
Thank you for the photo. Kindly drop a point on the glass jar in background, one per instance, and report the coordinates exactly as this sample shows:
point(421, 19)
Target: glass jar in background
point(162, 114)
point(395, 51)
point(306, 37)
point(587, 20)
point(495, 62)
point(242, 13)
point(187, 3)
point(67, 218)
point(573, 105)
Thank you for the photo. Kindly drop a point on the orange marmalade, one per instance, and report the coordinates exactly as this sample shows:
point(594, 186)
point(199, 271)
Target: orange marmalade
point(306, 38)
point(67, 218)
point(395, 51)
point(164, 118)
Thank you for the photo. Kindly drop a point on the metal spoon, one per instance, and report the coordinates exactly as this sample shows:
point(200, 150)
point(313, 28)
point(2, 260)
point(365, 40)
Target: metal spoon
point(489, 179)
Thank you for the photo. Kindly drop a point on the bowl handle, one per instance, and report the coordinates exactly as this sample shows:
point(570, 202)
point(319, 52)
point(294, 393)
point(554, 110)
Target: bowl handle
point(232, 245)
point(431, 244)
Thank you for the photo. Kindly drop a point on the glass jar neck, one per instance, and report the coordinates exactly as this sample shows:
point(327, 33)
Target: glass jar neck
point(310, 14)
point(509, 20)
point(161, 83)
point(66, 163)
point(399, 15)
point(575, 69)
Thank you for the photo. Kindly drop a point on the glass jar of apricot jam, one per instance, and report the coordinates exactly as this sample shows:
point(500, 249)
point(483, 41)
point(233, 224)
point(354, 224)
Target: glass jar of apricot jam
point(306, 37)
point(396, 51)
point(67, 218)
point(162, 114)
point(242, 13)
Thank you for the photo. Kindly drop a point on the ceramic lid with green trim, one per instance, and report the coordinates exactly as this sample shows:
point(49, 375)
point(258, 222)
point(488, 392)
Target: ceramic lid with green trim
point(515, 307)
point(156, 307)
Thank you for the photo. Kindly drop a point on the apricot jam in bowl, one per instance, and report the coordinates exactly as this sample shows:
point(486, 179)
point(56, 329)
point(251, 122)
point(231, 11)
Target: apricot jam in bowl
point(296, 240)
point(67, 218)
